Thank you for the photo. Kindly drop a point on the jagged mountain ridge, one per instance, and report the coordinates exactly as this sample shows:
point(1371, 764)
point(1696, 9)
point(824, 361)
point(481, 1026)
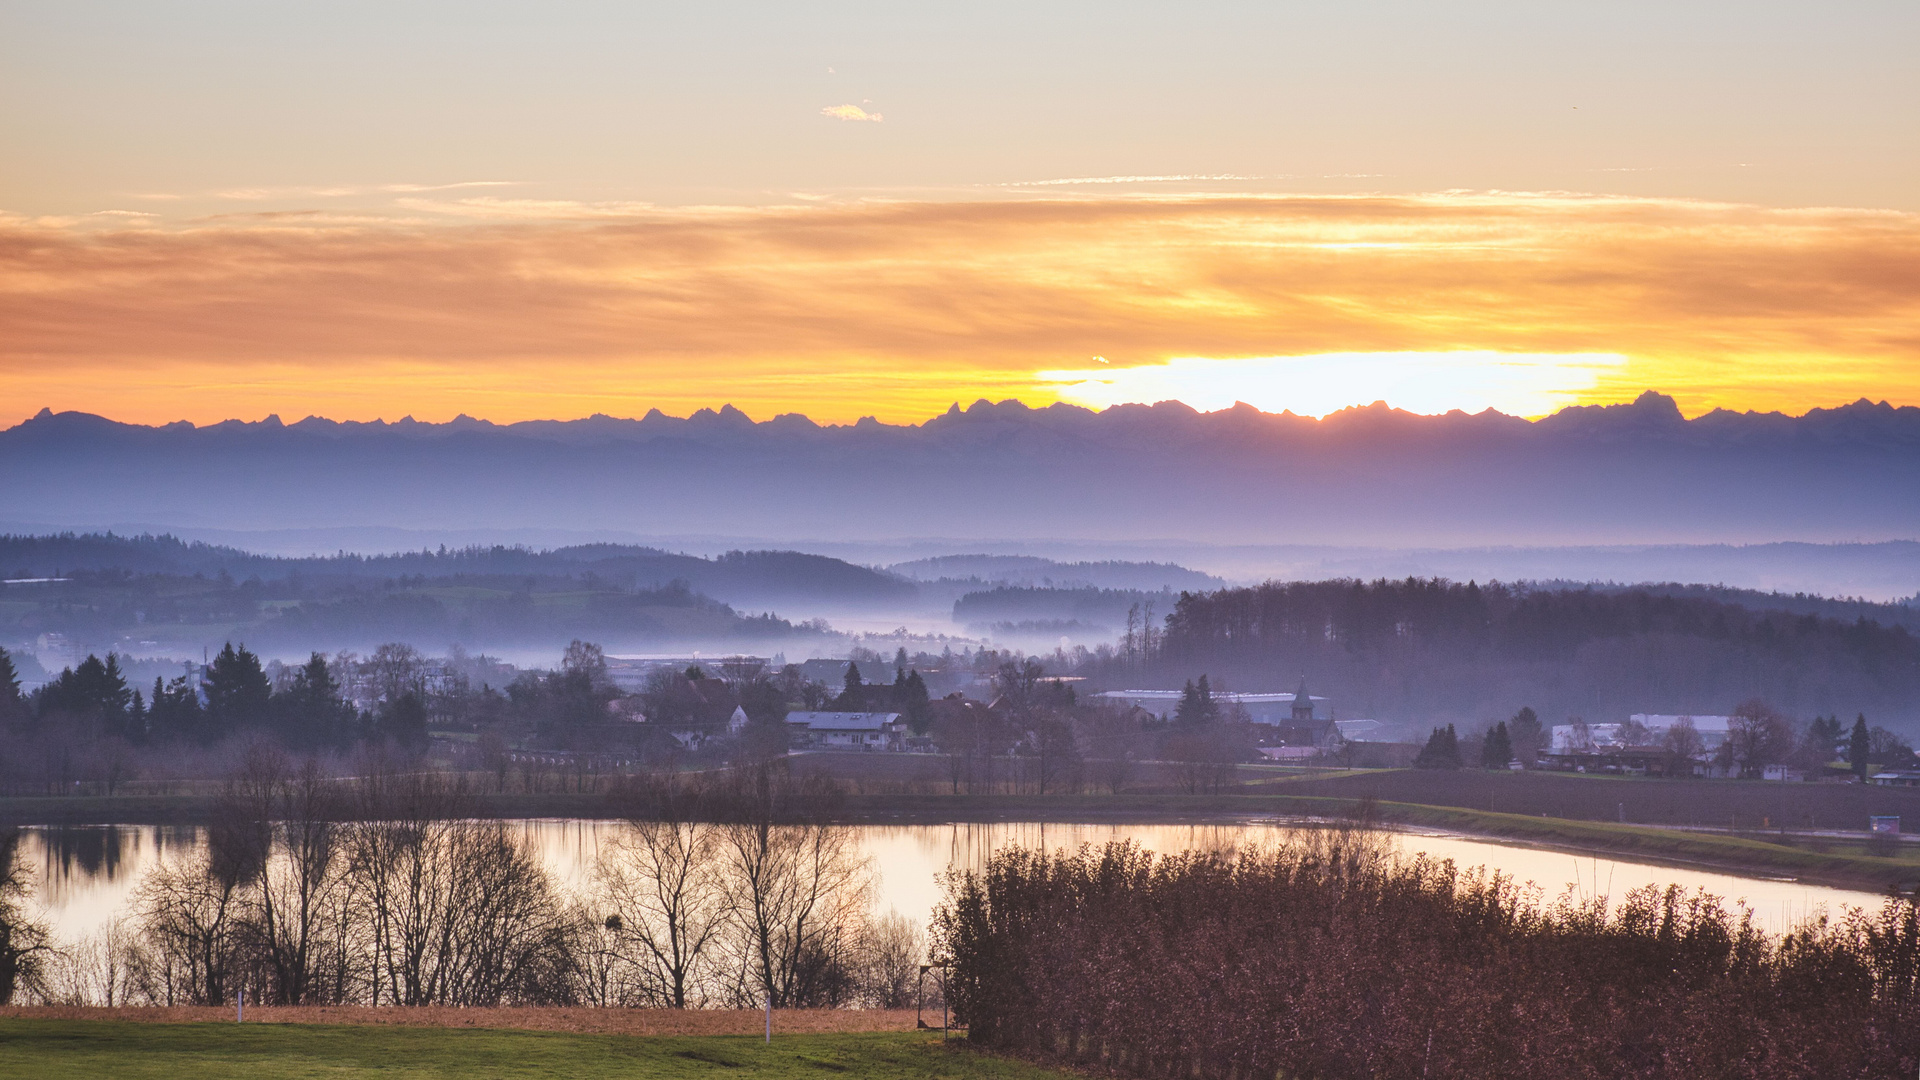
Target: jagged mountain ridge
point(1637, 473)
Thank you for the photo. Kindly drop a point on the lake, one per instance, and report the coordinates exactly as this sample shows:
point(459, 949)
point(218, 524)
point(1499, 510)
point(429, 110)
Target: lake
point(85, 874)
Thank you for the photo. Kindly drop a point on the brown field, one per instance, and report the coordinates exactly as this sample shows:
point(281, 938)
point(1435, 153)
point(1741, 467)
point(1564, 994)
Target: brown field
point(582, 1020)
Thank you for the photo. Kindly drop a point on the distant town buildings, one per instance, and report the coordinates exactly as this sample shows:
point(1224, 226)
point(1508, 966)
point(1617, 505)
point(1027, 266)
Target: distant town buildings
point(1269, 709)
point(1663, 743)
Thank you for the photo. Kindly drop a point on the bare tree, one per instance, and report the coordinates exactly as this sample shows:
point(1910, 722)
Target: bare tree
point(1757, 736)
point(189, 912)
point(24, 947)
point(798, 891)
point(891, 950)
point(290, 911)
point(459, 912)
point(659, 876)
point(1682, 745)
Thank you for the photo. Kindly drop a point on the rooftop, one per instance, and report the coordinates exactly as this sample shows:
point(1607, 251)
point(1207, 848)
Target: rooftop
point(844, 721)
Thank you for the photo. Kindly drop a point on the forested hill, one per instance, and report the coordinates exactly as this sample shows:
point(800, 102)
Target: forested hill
point(1433, 651)
point(1905, 613)
point(740, 577)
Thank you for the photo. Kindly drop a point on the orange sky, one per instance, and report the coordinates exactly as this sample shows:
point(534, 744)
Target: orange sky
point(895, 309)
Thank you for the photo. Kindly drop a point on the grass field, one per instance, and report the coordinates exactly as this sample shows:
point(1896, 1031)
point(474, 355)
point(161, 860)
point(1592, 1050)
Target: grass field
point(66, 1049)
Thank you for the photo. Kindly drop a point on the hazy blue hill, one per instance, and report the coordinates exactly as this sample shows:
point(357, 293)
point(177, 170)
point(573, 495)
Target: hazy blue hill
point(1104, 608)
point(1032, 570)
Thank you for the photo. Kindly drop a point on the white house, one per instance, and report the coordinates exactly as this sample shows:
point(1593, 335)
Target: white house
point(1273, 709)
point(857, 730)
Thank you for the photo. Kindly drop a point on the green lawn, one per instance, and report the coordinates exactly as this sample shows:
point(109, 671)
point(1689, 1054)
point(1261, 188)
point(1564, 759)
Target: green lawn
point(36, 1049)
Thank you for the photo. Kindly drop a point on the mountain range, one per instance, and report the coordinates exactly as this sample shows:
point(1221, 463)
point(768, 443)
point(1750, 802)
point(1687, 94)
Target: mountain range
point(1638, 473)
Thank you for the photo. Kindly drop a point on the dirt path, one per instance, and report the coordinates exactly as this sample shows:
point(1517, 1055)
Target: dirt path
point(598, 1021)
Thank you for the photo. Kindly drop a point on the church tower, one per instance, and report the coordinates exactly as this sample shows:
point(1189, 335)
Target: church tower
point(1302, 706)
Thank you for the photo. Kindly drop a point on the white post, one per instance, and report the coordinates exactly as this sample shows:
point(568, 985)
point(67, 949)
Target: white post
point(240, 1007)
point(769, 1019)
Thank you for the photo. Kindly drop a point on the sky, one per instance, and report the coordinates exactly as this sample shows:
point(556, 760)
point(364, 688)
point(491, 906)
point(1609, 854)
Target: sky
point(532, 210)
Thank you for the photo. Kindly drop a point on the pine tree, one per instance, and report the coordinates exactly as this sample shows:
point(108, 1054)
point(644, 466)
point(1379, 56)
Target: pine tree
point(914, 702)
point(1197, 706)
point(174, 711)
point(1497, 750)
point(13, 707)
point(1441, 752)
point(1859, 746)
point(853, 693)
point(405, 722)
point(238, 693)
point(311, 712)
point(1526, 735)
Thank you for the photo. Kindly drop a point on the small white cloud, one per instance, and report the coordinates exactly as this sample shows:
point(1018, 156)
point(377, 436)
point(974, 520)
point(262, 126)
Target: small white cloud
point(850, 112)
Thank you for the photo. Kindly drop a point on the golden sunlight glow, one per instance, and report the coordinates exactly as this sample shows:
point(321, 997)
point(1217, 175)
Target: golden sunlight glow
point(896, 309)
point(1424, 382)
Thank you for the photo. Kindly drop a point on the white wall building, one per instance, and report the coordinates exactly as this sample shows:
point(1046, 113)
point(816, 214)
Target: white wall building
point(856, 730)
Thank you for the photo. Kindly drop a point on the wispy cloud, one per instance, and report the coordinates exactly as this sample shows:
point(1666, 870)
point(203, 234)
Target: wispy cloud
point(851, 112)
point(340, 191)
point(1076, 181)
point(511, 308)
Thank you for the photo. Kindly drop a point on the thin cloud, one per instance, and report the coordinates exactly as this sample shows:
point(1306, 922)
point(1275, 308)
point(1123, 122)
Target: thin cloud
point(341, 191)
point(1075, 181)
point(504, 307)
point(851, 112)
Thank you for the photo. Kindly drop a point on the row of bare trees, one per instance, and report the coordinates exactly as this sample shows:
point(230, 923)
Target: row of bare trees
point(1326, 957)
point(727, 890)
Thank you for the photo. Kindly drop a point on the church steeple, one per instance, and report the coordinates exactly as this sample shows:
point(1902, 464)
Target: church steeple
point(1302, 704)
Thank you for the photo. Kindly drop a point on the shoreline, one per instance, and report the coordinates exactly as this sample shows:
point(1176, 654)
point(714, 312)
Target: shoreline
point(1777, 857)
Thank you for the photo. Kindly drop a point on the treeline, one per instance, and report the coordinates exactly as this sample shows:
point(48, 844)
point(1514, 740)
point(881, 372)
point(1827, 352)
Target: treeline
point(307, 612)
point(1438, 650)
point(756, 573)
point(729, 890)
point(1326, 958)
point(91, 723)
point(1103, 609)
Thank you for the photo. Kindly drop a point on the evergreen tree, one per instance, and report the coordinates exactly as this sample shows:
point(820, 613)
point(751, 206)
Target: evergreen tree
point(404, 721)
point(237, 690)
point(1497, 750)
point(174, 712)
point(1197, 706)
point(1526, 735)
point(1859, 747)
point(1441, 752)
point(914, 703)
point(311, 713)
point(13, 707)
point(9, 680)
point(853, 692)
point(94, 691)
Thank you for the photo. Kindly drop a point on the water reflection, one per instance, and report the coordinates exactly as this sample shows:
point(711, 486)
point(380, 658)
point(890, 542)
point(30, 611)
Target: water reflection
point(87, 874)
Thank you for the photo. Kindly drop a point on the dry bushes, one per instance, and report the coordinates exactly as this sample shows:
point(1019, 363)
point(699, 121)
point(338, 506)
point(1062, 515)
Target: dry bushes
point(1326, 958)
